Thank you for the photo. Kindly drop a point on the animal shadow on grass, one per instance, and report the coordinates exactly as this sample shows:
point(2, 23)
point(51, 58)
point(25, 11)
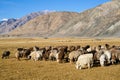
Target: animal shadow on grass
point(97, 64)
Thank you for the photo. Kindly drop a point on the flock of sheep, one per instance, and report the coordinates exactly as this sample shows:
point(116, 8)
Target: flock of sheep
point(83, 57)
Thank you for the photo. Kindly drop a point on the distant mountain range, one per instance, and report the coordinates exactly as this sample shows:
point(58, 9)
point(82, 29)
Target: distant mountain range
point(101, 21)
point(11, 24)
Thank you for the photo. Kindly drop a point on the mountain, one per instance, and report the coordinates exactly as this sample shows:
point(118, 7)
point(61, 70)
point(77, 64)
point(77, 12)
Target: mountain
point(44, 25)
point(101, 21)
point(11, 24)
point(4, 25)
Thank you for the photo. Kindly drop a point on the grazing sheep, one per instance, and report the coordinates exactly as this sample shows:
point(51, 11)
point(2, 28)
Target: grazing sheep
point(26, 52)
point(103, 60)
point(19, 54)
point(115, 58)
point(61, 54)
point(71, 48)
point(36, 55)
point(73, 56)
point(85, 60)
point(60, 57)
point(108, 56)
point(53, 55)
point(5, 54)
point(97, 55)
point(46, 55)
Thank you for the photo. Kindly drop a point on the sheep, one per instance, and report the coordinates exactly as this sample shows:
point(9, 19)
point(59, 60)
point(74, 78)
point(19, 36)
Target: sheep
point(36, 55)
point(103, 60)
point(61, 54)
point(73, 56)
point(108, 56)
point(19, 54)
point(85, 60)
point(115, 55)
point(5, 54)
point(53, 55)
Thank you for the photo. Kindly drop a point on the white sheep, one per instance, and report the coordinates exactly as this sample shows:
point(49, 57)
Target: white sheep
point(36, 55)
point(102, 59)
point(85, 60)
point(53, 55)
point(108, 56)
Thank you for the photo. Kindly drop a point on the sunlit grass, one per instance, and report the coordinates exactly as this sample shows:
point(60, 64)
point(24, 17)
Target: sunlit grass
point(12, 69)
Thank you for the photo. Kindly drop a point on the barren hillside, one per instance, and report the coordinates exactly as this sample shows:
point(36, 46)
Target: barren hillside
point(44, 25)
point(102, 21)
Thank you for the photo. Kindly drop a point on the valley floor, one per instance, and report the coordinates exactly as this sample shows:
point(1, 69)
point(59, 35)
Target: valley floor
point(12, 69)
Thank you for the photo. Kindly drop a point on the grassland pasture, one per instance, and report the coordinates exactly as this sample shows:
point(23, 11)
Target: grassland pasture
point(12, 69)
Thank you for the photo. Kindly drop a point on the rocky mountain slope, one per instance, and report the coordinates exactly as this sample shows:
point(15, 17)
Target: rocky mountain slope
point(5, 24)
point(44, 25)
point(101, 21)
point(11, 24)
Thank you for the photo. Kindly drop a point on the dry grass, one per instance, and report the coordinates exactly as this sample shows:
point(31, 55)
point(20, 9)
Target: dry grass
point(11, 69)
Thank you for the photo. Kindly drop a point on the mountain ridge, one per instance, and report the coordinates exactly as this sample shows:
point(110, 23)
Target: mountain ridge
point(45, 24)
point(6, 28)
point(94, 21)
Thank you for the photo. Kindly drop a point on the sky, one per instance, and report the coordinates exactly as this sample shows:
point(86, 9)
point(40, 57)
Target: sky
point(20, 8)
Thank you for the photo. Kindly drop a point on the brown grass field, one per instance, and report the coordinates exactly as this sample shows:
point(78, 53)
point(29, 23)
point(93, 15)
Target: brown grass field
point(12, 69)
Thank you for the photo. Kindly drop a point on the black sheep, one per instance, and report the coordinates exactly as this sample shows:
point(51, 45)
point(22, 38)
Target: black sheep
point(5, 54)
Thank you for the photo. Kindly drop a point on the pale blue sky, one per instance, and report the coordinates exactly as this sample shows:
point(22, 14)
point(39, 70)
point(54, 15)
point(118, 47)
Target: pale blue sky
point(20, 8)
